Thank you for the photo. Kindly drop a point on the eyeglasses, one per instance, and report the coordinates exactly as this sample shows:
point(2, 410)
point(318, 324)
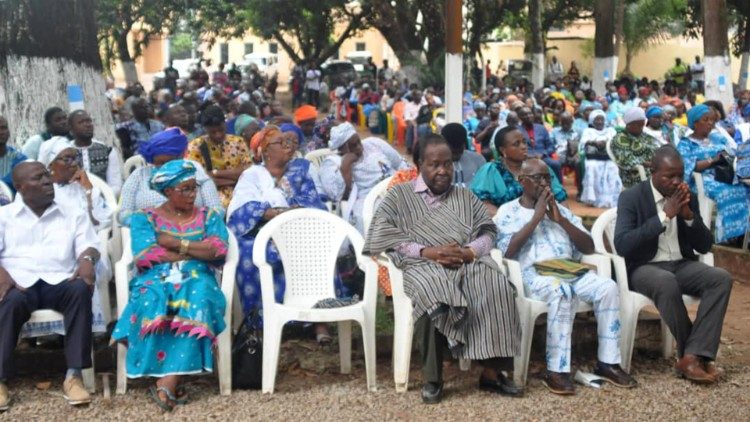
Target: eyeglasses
point(68, 159)
point(537, 178)
point(187, 190)
point(284, 143)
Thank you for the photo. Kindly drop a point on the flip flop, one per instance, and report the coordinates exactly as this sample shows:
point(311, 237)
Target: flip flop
point(181, 395)
point(324, 339)
point(153, 393)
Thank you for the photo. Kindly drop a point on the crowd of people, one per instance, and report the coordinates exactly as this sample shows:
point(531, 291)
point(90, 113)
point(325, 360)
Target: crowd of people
point(224, 157)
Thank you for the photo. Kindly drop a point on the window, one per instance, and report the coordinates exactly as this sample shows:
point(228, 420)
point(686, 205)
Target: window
point(273, 48)
point(360, 46)
point(248, 48)
point(224, 52)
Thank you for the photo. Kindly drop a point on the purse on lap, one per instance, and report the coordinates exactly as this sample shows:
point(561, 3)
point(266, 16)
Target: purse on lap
point(563, 269)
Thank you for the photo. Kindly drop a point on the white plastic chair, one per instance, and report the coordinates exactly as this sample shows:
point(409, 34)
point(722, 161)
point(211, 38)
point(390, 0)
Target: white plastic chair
point(403, 330)
point(631, 302)
point(308, 242)
point(5, 189)
point(529, 309)
point(131, 164)
point(124, 271)
point(316, 157)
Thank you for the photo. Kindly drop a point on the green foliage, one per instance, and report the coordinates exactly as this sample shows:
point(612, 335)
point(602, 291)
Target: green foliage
point(651, 21)
point(738, 16)
point(306, 30)
point(147, 18)
point(181, 43)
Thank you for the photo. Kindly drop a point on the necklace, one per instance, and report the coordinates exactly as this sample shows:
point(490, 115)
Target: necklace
point(172, 210)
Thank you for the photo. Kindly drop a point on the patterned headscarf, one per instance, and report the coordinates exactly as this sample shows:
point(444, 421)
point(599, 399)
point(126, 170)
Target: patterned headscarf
point(168, 142)
point(172, 174)
point(341, 134)
point(261, 139)
point(323, 127)
point(242, 121)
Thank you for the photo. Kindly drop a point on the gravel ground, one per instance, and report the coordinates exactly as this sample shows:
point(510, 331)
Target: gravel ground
point(323, 394)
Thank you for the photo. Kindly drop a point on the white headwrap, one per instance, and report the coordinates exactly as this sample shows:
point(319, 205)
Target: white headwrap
point(634, 114)
point(594, 114)
point(340, 134)
point(52, 148)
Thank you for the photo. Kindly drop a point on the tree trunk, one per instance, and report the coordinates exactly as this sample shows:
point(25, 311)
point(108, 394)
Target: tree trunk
point(47, 45)
point(742, 82)
point(605, 61)
point(537, 43)
point(128, 65)
point(715, 47)
point(628, 61)
point(619, 25)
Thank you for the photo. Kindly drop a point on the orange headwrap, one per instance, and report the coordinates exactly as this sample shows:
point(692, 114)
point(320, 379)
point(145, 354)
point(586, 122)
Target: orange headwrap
point(305, 112)
point(261, 139)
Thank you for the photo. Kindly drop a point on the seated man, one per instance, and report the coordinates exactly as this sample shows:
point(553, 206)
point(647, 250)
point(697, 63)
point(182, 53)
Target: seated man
point(659, 230)
point(535, 228)
point(465, 163)
point(459, 295)
point(44, 266)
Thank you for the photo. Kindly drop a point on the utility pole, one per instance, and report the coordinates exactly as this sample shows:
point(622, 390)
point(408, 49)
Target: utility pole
point(454, 61)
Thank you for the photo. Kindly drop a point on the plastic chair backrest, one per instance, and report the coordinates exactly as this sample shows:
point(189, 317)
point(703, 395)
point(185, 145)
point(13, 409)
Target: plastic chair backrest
point(609, 151)
point(104, 188)
point(131, 164)
point(705, 204)
point(316, 157)
point(308, 241)
point(372, 200)
point(603, 232)
point(5, 189)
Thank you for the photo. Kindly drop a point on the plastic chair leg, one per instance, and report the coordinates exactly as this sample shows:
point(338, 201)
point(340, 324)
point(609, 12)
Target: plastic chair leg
point(224, 363)
point(89, 376)
point(122, 379)
point(345, 346)
point(368, 341)
point(521, 362)
point(271, 348)
point(629, 320)
point(403, 332)
point(667, 341)
point(464, 364)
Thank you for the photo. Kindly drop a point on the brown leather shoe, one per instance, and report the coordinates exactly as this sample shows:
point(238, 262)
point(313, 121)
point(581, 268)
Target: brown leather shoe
point(715, 371)
point(613, 373)
point(559, 383)
point(691, 367)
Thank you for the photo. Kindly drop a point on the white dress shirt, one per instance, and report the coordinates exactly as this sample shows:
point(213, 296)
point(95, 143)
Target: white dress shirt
point(669, 244)
point(46, 247)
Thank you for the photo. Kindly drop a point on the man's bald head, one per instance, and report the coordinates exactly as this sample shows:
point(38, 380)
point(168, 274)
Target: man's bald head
point(533, 166)
point(22, 170)
point(34, 184)
point(664, 154)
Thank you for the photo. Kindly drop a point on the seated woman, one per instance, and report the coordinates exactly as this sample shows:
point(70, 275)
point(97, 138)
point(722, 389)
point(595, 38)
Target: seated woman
point(497, 182)
point(176, 307)
point(700, 153)
point(356, 168)
point(601, 177)
point(264, 191)
point(162, 148)
point(223, 156)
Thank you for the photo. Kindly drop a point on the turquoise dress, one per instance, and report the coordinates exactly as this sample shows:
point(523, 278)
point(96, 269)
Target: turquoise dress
point(732, 201)
point(495, 183)
point(175, 310)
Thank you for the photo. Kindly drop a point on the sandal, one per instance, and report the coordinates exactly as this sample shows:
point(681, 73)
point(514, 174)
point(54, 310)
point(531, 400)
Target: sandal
point(181, 395)
point(166, 406)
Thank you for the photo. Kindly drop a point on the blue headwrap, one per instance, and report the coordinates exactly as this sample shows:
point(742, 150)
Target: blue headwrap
point(289, 127)
point(172, 174)
point(168, 142)
point(654, 111)
point(746, 110)
point(695, 113)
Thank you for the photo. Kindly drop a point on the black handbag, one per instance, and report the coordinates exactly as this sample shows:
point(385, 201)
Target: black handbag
point(724, 169)
point(594, 152)
point(247, 354)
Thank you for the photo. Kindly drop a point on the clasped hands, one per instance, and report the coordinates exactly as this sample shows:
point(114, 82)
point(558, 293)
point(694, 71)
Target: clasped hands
point(450, 256)
point(679, 203)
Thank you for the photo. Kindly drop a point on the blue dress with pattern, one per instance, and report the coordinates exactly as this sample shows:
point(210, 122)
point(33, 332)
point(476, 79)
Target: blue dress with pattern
point(732, 201)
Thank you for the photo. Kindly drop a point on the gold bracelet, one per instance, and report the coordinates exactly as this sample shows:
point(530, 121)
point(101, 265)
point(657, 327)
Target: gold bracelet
point(184, 245)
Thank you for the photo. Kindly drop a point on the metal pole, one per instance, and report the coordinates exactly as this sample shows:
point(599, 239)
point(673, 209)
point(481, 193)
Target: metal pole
point(453, 61)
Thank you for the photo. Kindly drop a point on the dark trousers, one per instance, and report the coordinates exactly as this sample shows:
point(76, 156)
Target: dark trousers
point(432, 344)
point(666, 282)
point(70, 298)
point(313, 97)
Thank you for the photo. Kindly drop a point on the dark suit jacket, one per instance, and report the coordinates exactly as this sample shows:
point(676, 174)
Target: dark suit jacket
point(638, 228)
